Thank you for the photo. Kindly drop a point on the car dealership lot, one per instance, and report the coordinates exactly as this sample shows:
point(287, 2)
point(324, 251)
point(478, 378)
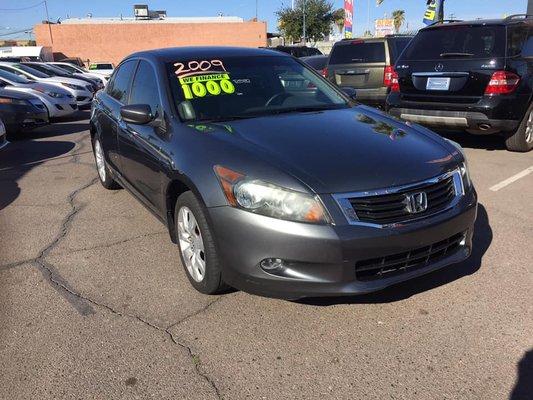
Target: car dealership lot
point(96, 305)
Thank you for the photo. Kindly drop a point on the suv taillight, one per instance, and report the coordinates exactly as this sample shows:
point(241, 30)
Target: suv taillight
point(387, 75)
point(502, 82)
point(390, 79)
point(325, 72)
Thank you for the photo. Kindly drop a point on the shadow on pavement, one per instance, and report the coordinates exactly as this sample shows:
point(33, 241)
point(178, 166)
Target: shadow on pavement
point(66, 126)
point(20, 157)
point(467, 140)
point(523, 389)
point(481, 242)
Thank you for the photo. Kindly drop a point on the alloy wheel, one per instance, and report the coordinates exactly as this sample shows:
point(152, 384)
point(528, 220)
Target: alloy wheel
point(100, 161)
point(529, 128)
point(191, 244)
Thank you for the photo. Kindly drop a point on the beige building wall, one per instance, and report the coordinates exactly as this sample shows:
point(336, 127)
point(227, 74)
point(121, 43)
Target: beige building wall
point(114, 41)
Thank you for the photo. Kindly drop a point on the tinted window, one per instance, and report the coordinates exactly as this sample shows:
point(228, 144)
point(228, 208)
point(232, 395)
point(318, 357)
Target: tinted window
point(33, 71)
point(144, 87)
point(100, 66)
point(516, 37)
point(356, 51)
point(118, 88)
point(454, 41)
point(317, 62)
point(396, 46)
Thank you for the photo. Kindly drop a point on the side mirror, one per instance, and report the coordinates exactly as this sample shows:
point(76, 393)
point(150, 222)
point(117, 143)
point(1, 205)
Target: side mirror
point(349, 91)
point(139, 114)
point(527, 49)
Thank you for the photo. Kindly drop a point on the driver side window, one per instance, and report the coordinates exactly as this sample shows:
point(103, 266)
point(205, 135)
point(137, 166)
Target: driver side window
point(144, 89)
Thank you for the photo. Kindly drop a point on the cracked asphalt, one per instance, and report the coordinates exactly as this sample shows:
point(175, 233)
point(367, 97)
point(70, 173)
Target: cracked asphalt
point(94, 303)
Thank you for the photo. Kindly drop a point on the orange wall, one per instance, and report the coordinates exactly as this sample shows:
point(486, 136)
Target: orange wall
point(113, 42)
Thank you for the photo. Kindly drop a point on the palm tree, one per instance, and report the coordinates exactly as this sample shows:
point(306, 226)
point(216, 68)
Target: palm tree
point(338, 19)
point(398, 17)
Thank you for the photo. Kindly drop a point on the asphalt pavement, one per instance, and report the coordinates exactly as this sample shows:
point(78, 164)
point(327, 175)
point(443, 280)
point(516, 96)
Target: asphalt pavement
point(94, 303)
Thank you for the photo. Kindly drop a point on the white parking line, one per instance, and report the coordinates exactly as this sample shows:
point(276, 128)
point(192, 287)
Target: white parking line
point(512, 179)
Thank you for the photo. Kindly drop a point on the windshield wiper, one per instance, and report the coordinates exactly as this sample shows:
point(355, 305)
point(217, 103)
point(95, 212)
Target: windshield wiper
point(456, 55)
point(304, 109)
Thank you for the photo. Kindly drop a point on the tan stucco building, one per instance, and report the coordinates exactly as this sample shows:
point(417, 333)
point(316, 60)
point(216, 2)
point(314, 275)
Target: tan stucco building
point(111, 39)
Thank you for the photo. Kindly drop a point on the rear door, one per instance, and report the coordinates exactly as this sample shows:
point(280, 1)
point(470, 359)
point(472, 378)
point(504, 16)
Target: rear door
point(358, 63)
point(451, 63)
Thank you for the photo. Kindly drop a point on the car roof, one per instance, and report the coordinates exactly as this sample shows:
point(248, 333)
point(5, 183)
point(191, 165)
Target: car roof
point(511, 20)
point(15, 94)
point(208, 52)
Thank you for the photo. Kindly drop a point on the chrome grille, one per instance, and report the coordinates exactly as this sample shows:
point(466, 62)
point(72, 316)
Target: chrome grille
point(386, 209)
point(384, 267)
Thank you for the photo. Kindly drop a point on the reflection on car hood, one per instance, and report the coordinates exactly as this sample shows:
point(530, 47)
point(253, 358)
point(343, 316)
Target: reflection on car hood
point(344, 150)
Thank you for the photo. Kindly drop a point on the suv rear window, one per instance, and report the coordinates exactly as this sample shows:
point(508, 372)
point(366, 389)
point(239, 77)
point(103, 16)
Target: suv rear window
point(396, 46)
point(457, 41)
point(355, 52)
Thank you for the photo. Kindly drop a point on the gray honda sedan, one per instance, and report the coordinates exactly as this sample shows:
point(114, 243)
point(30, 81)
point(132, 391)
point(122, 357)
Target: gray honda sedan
point(272, 180)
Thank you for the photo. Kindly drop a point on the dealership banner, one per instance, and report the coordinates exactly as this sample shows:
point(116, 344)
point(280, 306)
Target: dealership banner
point(348, 18)
point(433, 12)
point(383, 27)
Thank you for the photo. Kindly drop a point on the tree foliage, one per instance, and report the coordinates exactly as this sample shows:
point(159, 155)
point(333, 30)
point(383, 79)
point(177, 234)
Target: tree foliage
point(398, 18)
point(319, 16)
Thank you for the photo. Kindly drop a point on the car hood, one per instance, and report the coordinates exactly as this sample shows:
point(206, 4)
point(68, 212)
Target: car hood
point(344, 150)
point(16, 94)
point(72, 81)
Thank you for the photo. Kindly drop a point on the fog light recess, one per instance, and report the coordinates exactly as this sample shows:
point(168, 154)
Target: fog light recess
point(272, 264)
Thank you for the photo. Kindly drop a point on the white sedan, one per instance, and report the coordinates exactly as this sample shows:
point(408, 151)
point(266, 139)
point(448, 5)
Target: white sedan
point(58, 101)
point(82, 91)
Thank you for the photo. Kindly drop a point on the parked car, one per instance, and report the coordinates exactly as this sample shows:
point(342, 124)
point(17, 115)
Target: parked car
point(276, 191)
point(3, 136)
point(102, 68)
point(74, 69)
point(58, 101)
point(298, 51)
point(366, 65)
point(74, 61)
point(472, 75)
point(318, 63)
point(47, 68)
point(81, 91)
point(20, 111)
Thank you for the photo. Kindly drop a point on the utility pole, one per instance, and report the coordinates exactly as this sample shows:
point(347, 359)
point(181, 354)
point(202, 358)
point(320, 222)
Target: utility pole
point(256, 6)
point(48, 21)
point(304, 33)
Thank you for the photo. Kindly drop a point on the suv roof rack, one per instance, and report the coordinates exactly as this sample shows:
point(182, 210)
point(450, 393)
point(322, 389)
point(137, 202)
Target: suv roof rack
point(517, 16)
point(446, 21)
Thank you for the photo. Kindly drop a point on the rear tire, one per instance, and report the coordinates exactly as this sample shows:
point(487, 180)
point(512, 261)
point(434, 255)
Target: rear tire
point(197, 248)
point(522, 139)
point(101, 166)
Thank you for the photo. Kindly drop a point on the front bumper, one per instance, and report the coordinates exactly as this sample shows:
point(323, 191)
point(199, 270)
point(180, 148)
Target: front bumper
point(321, 259)
point(24, 117)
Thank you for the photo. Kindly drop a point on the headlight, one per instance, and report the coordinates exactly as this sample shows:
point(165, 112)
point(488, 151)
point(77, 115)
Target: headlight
point(7, 100)
point(465, 175)
point(271, 200)
point(55, 95)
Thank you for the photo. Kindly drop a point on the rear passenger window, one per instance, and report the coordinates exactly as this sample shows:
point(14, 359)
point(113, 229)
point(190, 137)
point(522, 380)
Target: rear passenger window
point(118, 87)
point(144, 88)
point(358, 52)
point(516, 37)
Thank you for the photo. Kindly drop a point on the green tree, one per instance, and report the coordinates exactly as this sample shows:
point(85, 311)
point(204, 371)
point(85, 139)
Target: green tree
point(319, 16)
point(398, 17)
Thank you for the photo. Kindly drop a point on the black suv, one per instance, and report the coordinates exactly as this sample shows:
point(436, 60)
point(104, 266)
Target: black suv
point(298, 51)
point(472, 75)
point(366, 65)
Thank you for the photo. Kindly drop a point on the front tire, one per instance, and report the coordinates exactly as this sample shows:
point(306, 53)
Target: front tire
point(196, 246)
point(101, 166)
point(522, 139)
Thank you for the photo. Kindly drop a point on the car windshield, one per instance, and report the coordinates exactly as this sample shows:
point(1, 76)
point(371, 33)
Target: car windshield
point(457, 41)
point(245, 87)
point(32, 71)
point(13, 77)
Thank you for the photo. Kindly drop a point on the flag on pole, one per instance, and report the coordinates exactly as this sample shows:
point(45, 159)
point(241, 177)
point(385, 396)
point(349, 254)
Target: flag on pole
point(348, 18)
point(433, 12)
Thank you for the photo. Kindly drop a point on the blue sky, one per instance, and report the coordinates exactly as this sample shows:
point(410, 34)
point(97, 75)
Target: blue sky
point(12, 20)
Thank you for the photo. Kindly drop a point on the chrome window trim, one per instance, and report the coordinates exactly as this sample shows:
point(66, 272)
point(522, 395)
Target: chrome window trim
point(349, 213)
